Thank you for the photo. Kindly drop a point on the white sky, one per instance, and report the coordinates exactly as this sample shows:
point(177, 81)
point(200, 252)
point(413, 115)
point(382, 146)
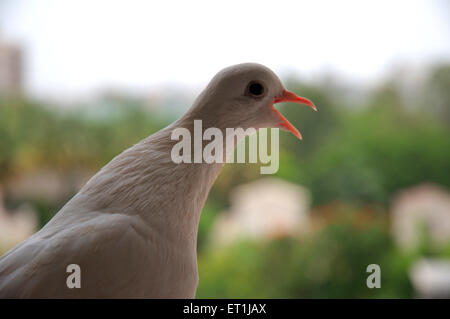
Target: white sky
point(79, 46)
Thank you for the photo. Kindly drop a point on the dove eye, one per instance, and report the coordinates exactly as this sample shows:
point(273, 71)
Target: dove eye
point(255, 89)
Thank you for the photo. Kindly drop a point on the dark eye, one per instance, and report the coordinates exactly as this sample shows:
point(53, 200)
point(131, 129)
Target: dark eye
point(255, 89)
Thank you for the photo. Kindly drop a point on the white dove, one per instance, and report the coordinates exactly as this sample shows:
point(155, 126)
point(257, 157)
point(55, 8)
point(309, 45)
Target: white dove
point(132, 229)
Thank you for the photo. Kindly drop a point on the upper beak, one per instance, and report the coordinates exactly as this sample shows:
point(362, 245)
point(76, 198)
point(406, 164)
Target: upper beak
point(288, 96)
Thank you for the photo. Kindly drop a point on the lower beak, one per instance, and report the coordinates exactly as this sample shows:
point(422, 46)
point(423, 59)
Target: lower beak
point(288, 96)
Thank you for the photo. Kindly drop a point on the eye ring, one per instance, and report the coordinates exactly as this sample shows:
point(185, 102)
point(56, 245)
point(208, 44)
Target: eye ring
point(256, 89)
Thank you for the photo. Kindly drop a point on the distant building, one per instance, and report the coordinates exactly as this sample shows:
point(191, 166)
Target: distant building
point(424, 209)
point(431, 278)
point(11, 69)
point(264, 209)
point(47, 185)
point(16, 226)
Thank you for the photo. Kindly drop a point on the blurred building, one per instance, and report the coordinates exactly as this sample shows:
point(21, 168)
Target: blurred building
point(11, 69)
point(421, 210)
point(264, 209)
point(46, 184)
point(16, 226)
point(431, 278)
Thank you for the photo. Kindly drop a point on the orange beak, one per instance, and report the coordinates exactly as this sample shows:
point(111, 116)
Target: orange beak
point(288, 96)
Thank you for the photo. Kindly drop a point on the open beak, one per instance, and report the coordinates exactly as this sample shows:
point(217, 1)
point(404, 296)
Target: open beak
point(288, 96)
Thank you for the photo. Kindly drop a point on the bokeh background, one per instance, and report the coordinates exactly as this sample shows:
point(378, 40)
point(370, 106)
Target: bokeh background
point(82, 80)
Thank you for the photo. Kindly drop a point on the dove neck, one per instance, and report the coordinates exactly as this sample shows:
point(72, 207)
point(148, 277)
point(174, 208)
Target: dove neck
point(144, 180)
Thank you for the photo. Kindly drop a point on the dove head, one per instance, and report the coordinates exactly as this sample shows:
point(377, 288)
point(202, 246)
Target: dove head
point(243, 96)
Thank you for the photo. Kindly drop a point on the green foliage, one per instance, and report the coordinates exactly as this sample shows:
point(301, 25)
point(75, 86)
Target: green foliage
point(33, 136)
point(375, 154)
point(330, 263)
point(209, 214)
point(436, 98)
